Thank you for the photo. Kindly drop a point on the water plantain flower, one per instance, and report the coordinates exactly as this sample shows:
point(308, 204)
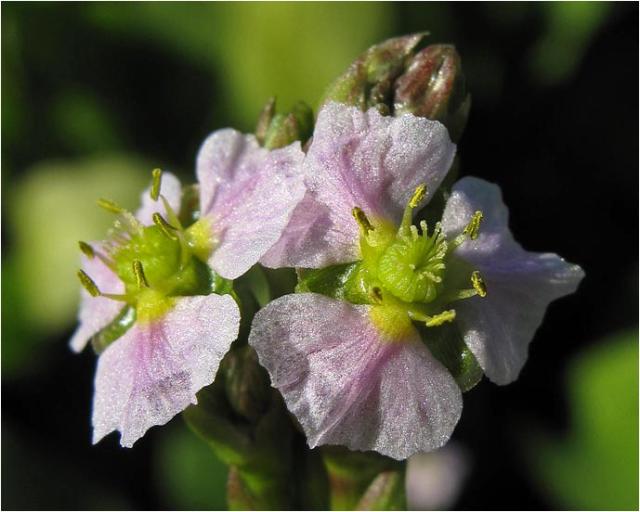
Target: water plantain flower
point(157, 302)
point(350, 362)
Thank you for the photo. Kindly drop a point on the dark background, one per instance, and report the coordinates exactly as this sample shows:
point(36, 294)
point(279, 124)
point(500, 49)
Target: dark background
point(129, 87)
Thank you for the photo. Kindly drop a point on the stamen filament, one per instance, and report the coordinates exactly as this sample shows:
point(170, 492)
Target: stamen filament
point(473, 228)
point(156, 176)
point(110, 206)
point(88, 284)
point(478, 283)
point(167, 229)
point(138, 271)
point(86, 249)
point(362, 220)
point(416, 198)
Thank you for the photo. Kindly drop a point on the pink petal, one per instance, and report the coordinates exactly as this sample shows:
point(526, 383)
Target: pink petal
point(347, 385)
point(368, 160)
point(171, 189)
point(155, 370)
point(249, 194)
point(520, 284)
point(96, 312)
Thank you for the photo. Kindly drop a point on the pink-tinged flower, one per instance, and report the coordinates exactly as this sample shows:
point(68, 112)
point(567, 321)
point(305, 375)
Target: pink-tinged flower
point(151, 297)
point(353, 368)
point(247, 196)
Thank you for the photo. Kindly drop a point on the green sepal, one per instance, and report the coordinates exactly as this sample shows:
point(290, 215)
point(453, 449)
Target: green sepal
point(386, 492)
point(259, 451)
point(285, 128)
point(343, 282)
point(118, 326)
point(351, 473)
point(447, 345)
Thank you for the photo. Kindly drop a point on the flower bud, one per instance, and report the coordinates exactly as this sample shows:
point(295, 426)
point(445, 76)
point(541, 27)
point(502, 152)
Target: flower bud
point(246, 383)
point(369, 80)
point(433, 86)
point(278, 130)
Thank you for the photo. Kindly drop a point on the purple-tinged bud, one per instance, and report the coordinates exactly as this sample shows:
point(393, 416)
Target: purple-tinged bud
point(433, 86)
point(370, 78)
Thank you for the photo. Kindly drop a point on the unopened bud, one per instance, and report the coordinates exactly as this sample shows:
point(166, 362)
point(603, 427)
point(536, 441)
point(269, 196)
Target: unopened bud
point(246, 383)
point(369, 80)
point(433, 86)
point(278, 130)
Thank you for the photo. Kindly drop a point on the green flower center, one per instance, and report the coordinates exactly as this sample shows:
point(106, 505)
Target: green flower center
point(155, 263)
point(408, 273)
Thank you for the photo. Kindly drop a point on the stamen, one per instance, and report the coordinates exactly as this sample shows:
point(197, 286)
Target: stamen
point(88, 283)
point(478, 283)
point(86, 249)
point(156, 175)
point(473, 227)
point(167, 229)
point(441, 318)
point(418, 195)
point(110, 206)
point(362, 220)
point(138, 271)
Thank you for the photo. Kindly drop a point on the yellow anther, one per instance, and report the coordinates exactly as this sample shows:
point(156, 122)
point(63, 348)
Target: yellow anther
point(167, 229)
point(473, 228)
point(86, 249)
point(441, 318)
point(418, 195)
point(110, 206)
point(478, 283)
point(361, 219)
point(138, 271)
point(88, 283)
point(156, 175)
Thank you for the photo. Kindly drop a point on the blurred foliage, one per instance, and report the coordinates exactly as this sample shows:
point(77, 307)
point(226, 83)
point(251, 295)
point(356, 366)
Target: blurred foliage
point(188, 474)
point(595, 466)
point(51, 209)
point(570, 27)
point(257, 49)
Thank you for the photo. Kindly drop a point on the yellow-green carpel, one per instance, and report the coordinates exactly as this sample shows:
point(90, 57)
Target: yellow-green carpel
point(155, 262)
point(409, 273)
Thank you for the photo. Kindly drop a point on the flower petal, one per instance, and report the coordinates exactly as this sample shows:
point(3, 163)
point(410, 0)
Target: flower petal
point(343, 381)
point(367, 160)
point(95, 313)
point(154, 370)
point(499, 327)
point(171, 189)
point(248, 193)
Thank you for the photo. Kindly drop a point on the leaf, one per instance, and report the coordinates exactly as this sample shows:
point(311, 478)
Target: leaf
point(596, 465)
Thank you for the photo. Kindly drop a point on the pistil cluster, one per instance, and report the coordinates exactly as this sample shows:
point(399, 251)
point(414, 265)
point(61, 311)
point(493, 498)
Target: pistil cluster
point(155, 263)
point(407, 274)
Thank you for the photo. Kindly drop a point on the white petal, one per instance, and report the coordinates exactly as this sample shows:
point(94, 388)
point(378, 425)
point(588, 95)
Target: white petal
point(367, 160)
point(520, 284)
point(95, 313)
point(348, 385)
point(249, 194)
point(155, 370)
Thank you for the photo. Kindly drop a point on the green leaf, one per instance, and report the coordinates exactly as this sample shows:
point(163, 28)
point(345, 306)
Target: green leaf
point(596, 465)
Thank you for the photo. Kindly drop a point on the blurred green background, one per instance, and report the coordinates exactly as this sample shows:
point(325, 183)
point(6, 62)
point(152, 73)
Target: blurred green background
point(94, 95)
